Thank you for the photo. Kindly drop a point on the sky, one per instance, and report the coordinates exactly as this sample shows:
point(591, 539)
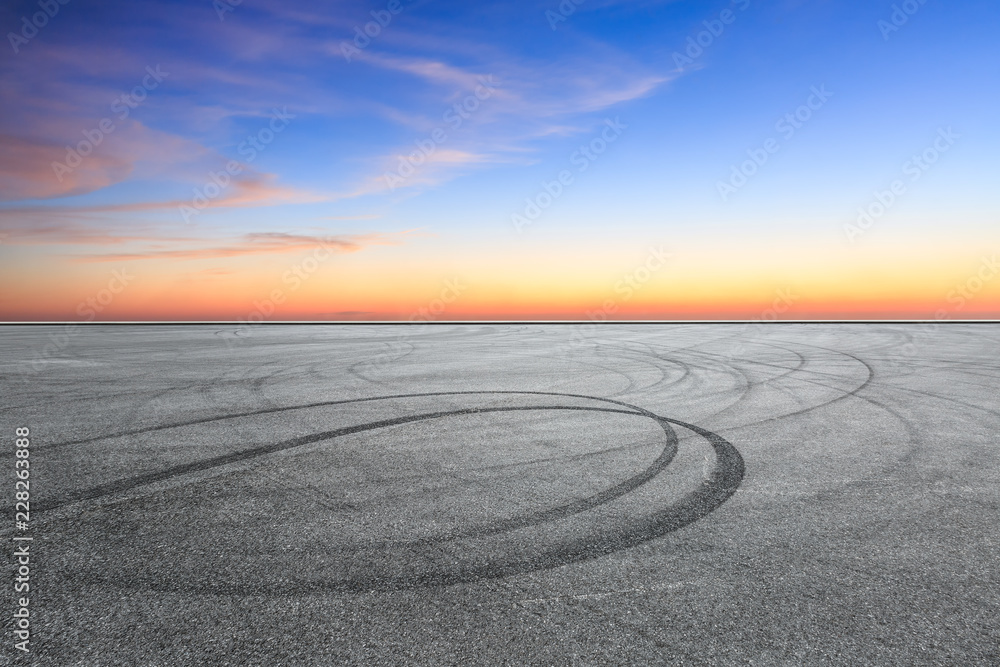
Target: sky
point(274, 160)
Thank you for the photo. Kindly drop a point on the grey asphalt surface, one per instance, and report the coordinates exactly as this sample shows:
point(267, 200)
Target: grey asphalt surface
point(508, 494)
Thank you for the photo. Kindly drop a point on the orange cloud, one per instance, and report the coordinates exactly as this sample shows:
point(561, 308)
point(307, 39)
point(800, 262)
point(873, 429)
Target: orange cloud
point(253, 244)
point(257, 189)
point(56, 224)
point(39, 226)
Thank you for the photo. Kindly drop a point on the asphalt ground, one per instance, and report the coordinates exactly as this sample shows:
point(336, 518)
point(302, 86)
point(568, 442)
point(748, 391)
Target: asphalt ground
point(507, 494)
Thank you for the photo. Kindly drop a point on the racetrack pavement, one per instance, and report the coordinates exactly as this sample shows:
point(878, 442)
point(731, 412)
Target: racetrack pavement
point(509, 493)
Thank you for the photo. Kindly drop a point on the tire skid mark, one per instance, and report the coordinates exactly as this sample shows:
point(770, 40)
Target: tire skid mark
point(128, 484)
point(233, 457)
point(773, 382)
point(630, 447)
point(721, 483)
point(568, 509)
point(914, 436)
point(305, 406)
point(662, 364)
point(844, 393)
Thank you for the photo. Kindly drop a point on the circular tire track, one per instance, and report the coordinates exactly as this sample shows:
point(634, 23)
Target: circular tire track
point(426, 562)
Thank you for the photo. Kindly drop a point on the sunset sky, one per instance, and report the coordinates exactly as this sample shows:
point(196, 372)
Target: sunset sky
point(428, 159)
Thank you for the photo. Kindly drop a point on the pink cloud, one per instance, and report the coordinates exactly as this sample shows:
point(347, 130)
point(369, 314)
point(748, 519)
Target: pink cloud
point(26, 171)
point(267, 243)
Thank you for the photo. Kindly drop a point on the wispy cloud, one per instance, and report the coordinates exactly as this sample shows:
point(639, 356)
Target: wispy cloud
point(271, 53)
point(266, 243)
point(528, 103)
point(434, 71)
point(366, 216)
point(54, 224)
point(62, 232)
point(26, 171)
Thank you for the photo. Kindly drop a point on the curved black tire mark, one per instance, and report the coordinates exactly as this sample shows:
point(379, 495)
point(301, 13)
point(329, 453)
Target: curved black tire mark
point(713, 492)
point(568, 509)
point(319, 404)
point(723, 482)
point(122, 485)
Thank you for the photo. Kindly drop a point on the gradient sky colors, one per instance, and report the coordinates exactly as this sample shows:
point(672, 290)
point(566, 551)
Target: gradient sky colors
point(633, 160)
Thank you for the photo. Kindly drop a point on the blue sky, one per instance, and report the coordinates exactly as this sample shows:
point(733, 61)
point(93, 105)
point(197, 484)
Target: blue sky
point(546, 88)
